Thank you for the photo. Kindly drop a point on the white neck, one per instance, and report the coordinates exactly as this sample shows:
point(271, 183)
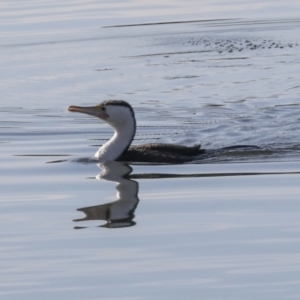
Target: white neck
point(120, 141)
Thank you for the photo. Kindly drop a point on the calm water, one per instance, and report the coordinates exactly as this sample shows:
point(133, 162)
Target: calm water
point(226, 227)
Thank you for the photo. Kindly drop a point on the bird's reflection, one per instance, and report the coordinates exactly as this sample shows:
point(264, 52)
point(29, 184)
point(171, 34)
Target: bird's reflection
point(119, 213)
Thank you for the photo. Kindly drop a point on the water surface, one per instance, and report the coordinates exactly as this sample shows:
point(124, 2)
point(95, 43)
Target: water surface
point(226, 227)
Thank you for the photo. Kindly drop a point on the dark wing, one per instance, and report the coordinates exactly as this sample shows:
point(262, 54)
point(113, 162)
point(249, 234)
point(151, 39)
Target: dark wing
point(161, 153)
point(170, 148)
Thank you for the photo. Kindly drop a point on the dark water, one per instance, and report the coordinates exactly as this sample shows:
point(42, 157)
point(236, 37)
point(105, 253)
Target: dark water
point(226, 227)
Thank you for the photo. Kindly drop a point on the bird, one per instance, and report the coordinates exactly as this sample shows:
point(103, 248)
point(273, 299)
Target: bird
point(120, 116)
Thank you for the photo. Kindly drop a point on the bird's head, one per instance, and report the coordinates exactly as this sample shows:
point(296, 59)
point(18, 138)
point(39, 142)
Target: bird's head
point(114, 112)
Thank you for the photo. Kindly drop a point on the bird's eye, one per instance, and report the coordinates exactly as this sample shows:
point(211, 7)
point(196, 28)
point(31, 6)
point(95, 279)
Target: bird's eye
point(100, 107)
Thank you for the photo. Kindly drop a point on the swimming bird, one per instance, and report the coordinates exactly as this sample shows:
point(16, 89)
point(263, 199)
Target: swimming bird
point(120, 116)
